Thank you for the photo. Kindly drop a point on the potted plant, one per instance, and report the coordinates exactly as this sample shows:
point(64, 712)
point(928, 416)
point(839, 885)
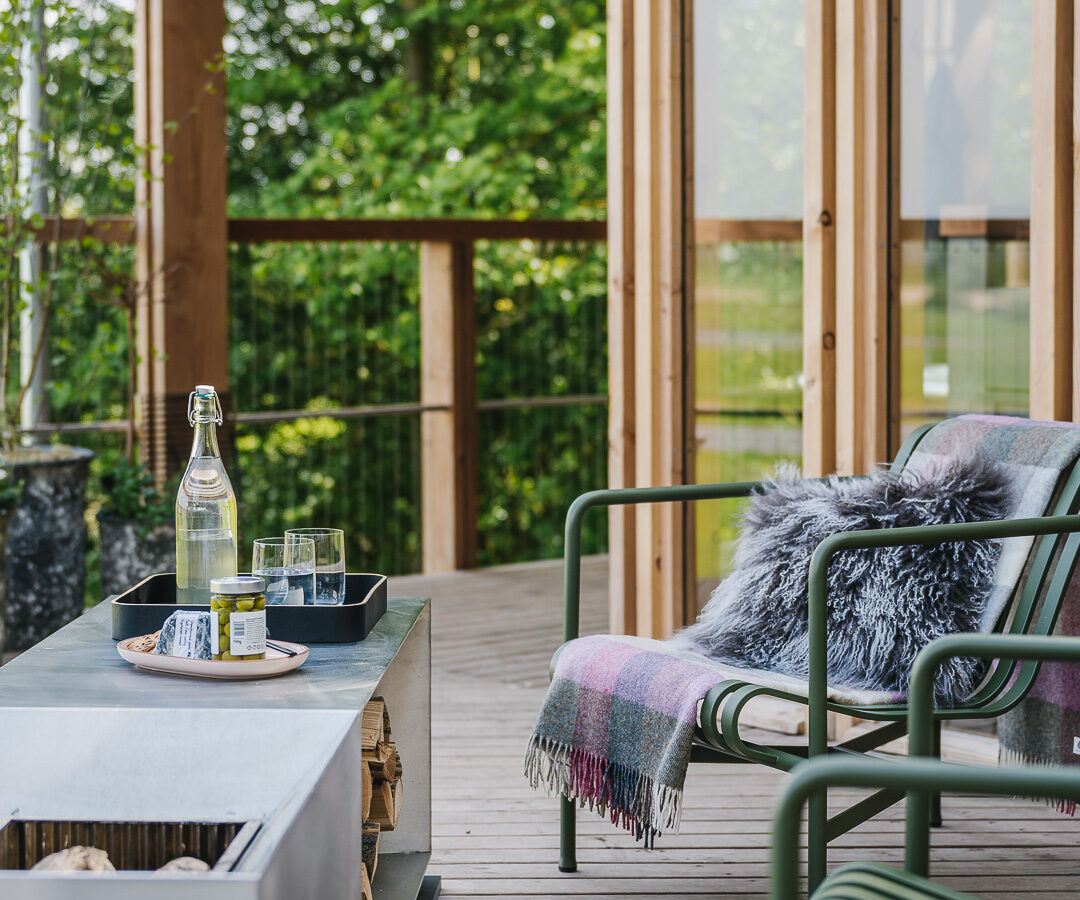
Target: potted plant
point(46, 539)
point(137, 527)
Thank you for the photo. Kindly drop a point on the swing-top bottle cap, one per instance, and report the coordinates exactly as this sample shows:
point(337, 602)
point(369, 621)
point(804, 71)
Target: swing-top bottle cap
point(204, 390)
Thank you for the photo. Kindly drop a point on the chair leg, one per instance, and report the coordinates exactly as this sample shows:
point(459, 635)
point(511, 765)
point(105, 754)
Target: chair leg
point(935, 799)
point(817, 848)
point(567, 836)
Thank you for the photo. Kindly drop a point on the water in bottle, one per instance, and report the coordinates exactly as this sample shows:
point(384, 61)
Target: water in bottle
point(205, 507)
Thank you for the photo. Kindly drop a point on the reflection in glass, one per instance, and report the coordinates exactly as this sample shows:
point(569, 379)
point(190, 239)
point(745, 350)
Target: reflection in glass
point(748, 135)
point(964, 200)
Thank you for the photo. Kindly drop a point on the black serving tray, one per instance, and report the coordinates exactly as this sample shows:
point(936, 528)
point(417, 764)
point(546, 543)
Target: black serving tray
point(144, 608)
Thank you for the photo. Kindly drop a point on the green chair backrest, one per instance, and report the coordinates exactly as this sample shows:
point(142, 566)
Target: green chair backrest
point(1039, 590)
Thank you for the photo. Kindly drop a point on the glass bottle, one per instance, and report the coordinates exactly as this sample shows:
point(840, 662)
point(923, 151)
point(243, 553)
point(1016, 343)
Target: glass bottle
point(205, 507)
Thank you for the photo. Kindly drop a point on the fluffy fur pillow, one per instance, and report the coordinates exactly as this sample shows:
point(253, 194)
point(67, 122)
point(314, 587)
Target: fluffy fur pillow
point(884, 605)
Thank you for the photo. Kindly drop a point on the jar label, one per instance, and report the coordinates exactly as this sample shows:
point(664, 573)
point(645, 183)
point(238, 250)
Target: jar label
point(185, 637)
point(247, 633)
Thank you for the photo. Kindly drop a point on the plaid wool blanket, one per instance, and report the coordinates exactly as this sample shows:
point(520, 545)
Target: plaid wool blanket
point(617, 725)
point(1044, 729)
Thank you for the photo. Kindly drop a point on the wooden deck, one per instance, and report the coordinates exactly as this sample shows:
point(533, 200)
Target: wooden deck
point(494, 631)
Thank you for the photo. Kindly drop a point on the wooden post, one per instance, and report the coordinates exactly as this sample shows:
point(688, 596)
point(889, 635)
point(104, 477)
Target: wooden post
point(660, 341)
point(181, 239)
point(1018, 249)
point(448, 380)
point(819, 239)
point(620, 154)
point(1051, 211)
point(862, 235)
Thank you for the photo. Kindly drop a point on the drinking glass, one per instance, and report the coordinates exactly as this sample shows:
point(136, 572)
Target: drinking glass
point(329, 561)
point(288, 565)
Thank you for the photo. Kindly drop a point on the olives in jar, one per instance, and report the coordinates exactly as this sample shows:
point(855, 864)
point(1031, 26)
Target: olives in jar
point(238, 614)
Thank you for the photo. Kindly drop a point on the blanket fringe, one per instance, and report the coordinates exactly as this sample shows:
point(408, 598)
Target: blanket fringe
point(1015, 758)
point(629, 798)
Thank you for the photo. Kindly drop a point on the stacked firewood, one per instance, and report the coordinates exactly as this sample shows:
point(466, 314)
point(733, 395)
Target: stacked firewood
point(382, 785)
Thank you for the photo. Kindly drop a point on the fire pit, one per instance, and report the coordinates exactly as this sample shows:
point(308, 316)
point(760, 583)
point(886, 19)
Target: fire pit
point(261, 780)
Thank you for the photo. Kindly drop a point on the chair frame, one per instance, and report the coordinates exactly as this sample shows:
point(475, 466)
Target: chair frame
point(920, 777)
point(1033, 612)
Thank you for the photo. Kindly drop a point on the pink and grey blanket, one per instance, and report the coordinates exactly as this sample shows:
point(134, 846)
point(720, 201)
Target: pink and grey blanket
point(617, 725)
point(1045, 728)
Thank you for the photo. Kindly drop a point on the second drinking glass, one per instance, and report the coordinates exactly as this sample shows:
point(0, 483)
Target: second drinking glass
point(288, 565)
point(329, 561)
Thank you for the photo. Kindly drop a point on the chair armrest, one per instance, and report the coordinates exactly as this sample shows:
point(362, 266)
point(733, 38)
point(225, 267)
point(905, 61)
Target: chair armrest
point(921, 707)
point(817, 613)
point(625, 497)
point(983, 646)
point(815, 776)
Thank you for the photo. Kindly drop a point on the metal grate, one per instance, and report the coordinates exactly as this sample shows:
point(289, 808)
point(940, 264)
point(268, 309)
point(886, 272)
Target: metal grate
point(130, 845)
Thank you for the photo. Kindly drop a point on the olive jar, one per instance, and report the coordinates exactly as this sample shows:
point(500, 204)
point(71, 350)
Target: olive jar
point(240, 606)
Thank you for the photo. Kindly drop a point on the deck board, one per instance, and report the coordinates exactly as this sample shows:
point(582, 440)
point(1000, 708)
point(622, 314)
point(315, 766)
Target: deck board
point(493, 634)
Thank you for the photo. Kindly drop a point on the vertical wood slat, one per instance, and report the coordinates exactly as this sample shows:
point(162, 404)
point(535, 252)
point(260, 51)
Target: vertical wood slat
point(1051, 210)
point(658, 305)
point(620, 160)
point(1051, 247)
point(150, 426)
point(819, 239)
point(1075, 394)
point(862, 235)
point(688, 339)
point(894, 259)
point(181, 244)
point(448, 448)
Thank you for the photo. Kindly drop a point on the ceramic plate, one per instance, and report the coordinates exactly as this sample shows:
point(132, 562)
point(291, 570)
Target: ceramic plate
point(276, 662)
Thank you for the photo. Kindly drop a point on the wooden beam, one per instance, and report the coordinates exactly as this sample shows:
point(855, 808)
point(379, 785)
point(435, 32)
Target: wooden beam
point(184, 329)
point(149, 427)
point(819, 239)
point(1051, 210)
point(121, 230)
point(620, 156)
point(988, 229)
point(718, 231)
point(862, 235)
point(1075, 223)
point(659, 333)
point(448, 452)
point(256, 231)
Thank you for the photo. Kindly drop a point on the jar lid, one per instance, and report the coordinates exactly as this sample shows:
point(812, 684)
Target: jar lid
point(238, 584)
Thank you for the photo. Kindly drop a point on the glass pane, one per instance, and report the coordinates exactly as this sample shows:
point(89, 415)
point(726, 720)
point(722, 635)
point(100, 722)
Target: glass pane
point(964, 200)
point(748, 106)
point(748, 71)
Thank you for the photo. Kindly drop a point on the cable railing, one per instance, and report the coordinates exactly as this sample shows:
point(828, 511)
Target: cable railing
point(375, 365)
point(454, 358)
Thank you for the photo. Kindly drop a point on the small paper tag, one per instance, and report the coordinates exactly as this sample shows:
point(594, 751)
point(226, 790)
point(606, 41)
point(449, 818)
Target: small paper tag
point(1076, 745)
point(185, 637)
point(247, 633)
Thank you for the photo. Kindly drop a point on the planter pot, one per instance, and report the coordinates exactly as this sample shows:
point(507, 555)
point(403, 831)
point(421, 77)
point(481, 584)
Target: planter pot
point(46, 544)
point(132, 550)
point(5, 519)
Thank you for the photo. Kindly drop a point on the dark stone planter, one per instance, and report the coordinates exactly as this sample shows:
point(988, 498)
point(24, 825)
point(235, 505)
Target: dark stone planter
point(46, 547)
point(5, 519)
point(132, 550)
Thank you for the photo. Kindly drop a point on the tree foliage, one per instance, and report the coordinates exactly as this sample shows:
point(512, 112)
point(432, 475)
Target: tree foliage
point(413, 108)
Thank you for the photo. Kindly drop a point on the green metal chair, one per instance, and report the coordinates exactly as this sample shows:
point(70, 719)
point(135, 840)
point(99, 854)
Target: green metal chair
point(1034, 611)
point(919, 778)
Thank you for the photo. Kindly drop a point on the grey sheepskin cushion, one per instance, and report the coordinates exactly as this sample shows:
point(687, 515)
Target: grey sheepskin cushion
point(884, 605)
